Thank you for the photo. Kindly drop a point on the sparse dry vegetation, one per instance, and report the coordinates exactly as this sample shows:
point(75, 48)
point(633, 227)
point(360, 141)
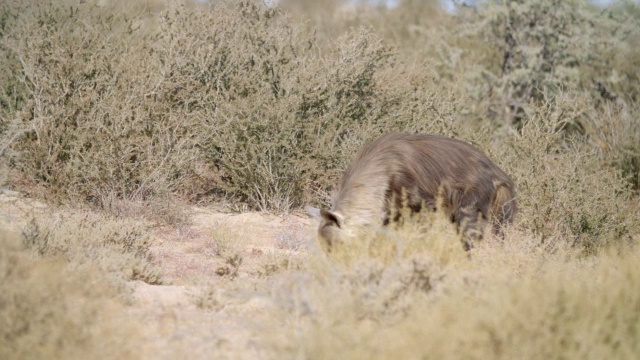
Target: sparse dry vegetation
point(116, 246)
point(509, 301)
point(122, 115)
point(50, 310)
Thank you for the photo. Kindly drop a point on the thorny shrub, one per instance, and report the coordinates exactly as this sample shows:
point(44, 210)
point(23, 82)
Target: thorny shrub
point(229, 97)
point(564, 194)
point(88, 126)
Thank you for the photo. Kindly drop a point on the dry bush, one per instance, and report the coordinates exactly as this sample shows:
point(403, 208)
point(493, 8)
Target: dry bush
point(426, 233)
point(88, 125)
point(619, 79)
point(564, 193)
point(242, 72)
point(113, 107)
point(507, 53)
point(290, 118)
point(50, 310)
point(387, 272)
point(118, 247)
point(615, 134)
point(413, 292)
point(230, 97)
point(403, 25)
point(503, 60)
point(511, 298)
point(226, 240)
point(285, 109)
point(535, 317)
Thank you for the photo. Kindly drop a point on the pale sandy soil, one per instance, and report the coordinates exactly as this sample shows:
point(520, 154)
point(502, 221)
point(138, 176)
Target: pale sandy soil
point(171, 324)
point(175, 325)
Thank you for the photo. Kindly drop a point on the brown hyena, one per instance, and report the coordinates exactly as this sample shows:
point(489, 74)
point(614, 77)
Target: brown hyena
point(417, 171)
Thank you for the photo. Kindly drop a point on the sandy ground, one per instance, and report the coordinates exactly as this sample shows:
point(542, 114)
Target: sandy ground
point(171, 323)
point(188, 256)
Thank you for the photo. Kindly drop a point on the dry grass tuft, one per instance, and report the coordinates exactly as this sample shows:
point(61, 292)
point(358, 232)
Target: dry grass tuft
point(511, 298)
point(51, 310)
point(118, 247)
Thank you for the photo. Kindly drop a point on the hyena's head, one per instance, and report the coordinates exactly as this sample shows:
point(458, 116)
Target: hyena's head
point(332, 230)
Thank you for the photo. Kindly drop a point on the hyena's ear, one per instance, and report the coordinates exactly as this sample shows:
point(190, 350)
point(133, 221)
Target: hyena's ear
point(332, 217)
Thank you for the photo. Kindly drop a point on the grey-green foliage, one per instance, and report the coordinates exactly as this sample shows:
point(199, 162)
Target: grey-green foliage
point(541, 46)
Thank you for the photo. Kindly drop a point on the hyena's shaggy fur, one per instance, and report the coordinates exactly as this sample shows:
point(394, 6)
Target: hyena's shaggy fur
point(420, 170)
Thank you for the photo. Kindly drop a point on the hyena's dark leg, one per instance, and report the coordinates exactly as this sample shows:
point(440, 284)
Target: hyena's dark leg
point(468, 217)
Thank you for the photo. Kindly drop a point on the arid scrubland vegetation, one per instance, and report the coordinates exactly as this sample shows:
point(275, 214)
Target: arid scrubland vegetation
point(124, 125)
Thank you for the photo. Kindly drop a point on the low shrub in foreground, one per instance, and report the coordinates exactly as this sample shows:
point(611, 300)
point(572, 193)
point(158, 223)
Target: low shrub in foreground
point(50, 310)
point(509, 298)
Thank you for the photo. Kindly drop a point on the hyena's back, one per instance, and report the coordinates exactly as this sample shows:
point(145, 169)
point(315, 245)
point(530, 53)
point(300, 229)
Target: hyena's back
point(423, 168)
